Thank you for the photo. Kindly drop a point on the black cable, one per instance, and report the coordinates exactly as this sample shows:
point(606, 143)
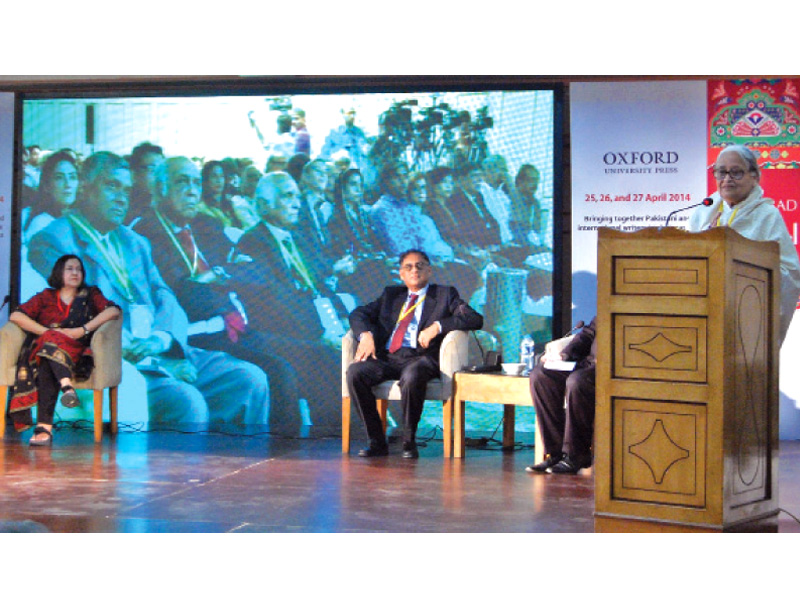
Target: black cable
point(88, 426)
point(141, 427)
point(483, 354)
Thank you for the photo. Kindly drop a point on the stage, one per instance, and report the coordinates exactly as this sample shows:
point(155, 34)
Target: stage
point(178, 482)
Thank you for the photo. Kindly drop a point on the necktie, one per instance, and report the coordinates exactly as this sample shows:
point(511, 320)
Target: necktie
point(198, 264)
point(402, 326)
point(298, 266)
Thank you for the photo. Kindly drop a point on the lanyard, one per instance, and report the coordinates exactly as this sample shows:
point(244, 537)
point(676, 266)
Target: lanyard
point(410, 309)
point(119, 274)
point(300, 267)
point(190, 264)
point(730, 219)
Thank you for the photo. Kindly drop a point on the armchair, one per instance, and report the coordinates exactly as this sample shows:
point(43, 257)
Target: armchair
point(107, 373)
point(458, 350)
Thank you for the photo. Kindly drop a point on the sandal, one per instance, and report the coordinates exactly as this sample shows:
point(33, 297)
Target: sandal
point(48, 441)
point(68, 397)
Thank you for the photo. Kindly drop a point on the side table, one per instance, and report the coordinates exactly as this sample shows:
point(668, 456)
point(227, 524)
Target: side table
point(492, 388)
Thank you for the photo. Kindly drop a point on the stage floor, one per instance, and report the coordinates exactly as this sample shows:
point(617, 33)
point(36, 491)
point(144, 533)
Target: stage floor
point(179, 482)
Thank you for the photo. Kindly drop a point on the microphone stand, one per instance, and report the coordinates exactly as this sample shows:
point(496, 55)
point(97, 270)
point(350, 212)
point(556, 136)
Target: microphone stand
point(705, 202)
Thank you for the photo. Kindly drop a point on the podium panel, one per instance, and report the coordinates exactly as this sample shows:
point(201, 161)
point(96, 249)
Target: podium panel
point(660, 449)
point(686, 427)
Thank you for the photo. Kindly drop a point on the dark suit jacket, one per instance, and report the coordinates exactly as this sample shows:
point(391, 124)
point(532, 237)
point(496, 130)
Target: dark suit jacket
point(268, 290)
point(307, 236)
point(583, 347)
point(346, 236)
point(479, 229)
point(201, 301)
point(442, 304)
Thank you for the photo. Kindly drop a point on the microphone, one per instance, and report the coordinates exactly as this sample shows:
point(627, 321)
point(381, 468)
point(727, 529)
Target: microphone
point(578, 325)
point(705, 202)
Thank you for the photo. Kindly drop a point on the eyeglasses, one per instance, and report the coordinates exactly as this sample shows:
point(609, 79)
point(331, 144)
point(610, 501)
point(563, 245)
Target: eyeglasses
point(735, 174)
point(411, 266)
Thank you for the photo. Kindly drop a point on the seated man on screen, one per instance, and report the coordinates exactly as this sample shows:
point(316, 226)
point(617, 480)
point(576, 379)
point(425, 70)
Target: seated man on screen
point(143, 162)
point(285, 291)
point(184, 384)
point(399, 336)
point(191, 253)
point(566, 432)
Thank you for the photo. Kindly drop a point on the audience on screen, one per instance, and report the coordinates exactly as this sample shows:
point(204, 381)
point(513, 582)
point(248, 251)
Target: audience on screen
point(193, 256)
point(184, 383)
point(359, 202)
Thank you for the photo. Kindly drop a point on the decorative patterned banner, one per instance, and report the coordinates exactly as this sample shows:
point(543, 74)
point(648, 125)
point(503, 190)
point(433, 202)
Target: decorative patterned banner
point(764, 115)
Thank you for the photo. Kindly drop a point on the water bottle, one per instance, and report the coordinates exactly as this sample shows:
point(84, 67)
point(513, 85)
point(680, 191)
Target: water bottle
point(527, 349)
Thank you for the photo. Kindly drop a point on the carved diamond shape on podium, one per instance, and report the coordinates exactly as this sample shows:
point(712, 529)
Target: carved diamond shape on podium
point(660, 347)
point(658, 451)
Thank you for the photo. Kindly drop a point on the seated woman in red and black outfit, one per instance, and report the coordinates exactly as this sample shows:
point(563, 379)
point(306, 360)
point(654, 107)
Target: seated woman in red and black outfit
point(59, 322)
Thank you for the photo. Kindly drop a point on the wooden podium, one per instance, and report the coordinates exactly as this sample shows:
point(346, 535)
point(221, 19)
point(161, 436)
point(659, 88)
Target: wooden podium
point(686, 427)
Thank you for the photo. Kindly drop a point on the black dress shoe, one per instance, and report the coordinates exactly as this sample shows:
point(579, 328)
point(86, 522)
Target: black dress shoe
point(570, 466)
point(410, 450)
point(374, 450)
point(541, 467)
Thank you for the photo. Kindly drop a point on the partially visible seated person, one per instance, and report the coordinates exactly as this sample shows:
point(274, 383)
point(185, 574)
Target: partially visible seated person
point(143, 161)
point(479, 229)
point(59, 322)
point(58, 189)
point(442, 186)
point(351, 236)
point(215, 201)
point(222, 199)
point(287, 294)
point(566, 433)
point(401, 225)
point(397, 216)
point(530, 222)
point(192, 253)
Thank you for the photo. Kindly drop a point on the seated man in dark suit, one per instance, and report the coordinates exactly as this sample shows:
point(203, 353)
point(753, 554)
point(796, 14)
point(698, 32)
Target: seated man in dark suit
point(566, 433)
point(191, 252)
point(399, 336)
point(480, 232)
point(286, 293)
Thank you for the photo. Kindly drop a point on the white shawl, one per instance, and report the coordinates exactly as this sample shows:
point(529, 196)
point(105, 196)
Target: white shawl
point(757, 218)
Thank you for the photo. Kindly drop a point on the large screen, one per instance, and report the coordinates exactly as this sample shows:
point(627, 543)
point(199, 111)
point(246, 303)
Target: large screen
point(160, 198)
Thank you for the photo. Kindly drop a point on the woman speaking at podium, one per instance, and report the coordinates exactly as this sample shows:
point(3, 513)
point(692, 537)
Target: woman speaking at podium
point(739, 203)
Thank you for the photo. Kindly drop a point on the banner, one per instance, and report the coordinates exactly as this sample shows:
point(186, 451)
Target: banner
point(764, 115)
point(644, 149)
point(638, 153)
point(6, 188)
